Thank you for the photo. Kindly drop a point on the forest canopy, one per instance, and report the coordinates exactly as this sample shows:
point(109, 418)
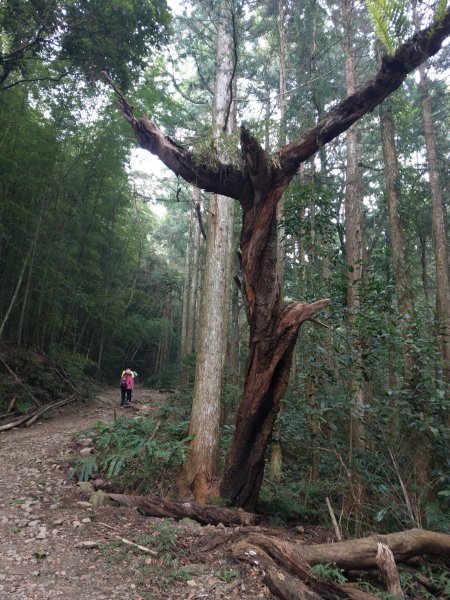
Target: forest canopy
point(48, 40)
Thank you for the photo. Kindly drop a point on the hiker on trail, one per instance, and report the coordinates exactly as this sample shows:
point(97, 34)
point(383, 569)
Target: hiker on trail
point(126, 388)
point(134, 375)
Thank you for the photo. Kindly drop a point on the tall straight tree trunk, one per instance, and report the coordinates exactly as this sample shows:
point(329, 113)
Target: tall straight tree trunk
point(440, 248)
point(186, 313)
point(353, 243)
point(418, 441)
point(354, 272)
point(276, 457)
point(195, 292)
point(400, 259)
point(164, 340)
point(282, 131)
point(202, 466)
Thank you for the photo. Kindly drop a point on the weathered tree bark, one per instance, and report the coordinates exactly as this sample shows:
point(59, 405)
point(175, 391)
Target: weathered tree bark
point(203, 462)
point(154, 506)
point(259, 186)
point(273, 333)
point(388, 569)
point(295, 581)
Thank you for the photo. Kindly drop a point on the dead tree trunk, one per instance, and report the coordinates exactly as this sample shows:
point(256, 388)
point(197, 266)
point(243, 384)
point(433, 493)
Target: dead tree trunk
point(258, 186)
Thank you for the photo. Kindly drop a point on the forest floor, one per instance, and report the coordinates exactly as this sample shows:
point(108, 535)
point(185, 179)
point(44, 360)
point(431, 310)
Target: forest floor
point(46, 522)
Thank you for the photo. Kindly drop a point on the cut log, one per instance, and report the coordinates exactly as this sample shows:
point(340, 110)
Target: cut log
point(355, 554)
point(154, 506)
point(388, 569)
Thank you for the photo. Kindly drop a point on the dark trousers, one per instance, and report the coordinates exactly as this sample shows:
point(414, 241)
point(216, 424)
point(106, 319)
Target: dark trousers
point(122, 396)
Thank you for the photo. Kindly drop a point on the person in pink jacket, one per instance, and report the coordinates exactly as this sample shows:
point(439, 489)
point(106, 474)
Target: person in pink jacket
point(126, 389)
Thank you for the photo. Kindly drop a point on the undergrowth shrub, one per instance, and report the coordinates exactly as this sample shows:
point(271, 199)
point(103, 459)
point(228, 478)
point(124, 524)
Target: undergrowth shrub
point(134, 454)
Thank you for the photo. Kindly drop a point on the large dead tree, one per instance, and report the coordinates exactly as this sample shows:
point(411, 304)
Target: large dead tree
point(258, 183)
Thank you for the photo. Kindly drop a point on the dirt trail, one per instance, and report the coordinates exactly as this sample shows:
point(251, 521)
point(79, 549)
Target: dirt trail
point(44, 519)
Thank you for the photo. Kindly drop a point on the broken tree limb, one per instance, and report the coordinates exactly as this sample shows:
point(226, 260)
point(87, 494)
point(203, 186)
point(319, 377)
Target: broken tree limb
point(14, 423)
point(354, 554)
point(388, 569)
point(129, 542)
point(203, 513)
point(337, 531)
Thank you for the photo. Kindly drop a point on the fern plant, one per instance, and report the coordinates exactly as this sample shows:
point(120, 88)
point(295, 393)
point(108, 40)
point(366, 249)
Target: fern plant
point(389, 21)
point(440, 10)
point(134, 452)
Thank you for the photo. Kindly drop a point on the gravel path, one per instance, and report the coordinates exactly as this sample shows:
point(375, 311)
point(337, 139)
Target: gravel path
point(45, 520)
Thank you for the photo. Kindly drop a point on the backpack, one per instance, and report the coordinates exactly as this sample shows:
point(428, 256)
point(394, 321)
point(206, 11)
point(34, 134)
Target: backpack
point(123, 384)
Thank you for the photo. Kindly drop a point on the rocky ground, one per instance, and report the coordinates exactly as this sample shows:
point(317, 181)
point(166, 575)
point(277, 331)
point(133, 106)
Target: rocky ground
point(55, 543)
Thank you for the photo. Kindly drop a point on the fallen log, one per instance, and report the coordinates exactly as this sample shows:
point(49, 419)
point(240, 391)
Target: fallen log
point(295, 582)
point(355, 554)
point(287, 566)
point(154, 506)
